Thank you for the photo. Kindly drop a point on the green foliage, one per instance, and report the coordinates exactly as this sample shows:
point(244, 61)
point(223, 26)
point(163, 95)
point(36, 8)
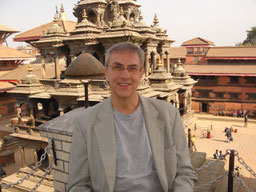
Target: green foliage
point(251, 37)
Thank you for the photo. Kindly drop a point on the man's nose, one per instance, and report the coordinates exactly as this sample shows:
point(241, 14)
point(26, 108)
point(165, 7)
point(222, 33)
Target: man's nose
point(125, 73)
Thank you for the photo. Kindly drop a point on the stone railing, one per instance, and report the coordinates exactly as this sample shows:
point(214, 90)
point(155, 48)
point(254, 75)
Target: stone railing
point(60, 130)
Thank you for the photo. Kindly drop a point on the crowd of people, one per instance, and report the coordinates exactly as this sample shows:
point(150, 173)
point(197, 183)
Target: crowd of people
point(240, 113)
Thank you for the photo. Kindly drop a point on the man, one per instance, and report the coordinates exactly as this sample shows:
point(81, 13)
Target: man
point(128, 142)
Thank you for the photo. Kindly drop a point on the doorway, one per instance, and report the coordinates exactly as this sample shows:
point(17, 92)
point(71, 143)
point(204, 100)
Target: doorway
point(205, 107)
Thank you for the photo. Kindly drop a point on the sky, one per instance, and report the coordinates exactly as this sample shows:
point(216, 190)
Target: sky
point(223, 22)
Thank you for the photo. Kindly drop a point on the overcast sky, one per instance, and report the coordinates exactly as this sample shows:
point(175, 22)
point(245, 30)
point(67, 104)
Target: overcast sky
point(224, 22)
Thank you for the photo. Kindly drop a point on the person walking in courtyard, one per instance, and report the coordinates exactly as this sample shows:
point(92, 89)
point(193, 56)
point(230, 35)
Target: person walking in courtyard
point(229, 135)
point(235, 113)
point(193, 139)
point(245, 120)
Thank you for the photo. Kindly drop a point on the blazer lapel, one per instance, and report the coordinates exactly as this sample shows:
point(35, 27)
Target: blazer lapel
point(156, 131)
point(105, 134)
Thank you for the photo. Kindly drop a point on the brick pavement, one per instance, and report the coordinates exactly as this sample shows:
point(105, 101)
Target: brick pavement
point(244, 141)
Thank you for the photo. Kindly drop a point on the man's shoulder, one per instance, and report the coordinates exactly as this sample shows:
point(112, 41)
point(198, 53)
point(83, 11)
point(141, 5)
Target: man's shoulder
point(91, 112)
point(159, 104)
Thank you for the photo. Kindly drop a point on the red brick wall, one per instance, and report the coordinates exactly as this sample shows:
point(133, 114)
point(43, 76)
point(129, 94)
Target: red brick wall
point(7, 105)
point(226, 103)
point(190, 59)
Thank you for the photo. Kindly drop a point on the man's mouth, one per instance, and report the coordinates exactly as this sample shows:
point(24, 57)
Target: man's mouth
point(124, 84)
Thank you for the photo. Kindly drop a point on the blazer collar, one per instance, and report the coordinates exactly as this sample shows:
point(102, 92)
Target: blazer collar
point(105, 133)
point(156, 132)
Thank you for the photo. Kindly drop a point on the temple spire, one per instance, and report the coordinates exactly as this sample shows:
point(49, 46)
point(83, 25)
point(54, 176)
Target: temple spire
point(62, 16)
point(156, 19)
point(84, 14)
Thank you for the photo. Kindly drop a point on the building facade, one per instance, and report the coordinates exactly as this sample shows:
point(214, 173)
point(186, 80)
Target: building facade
point(226, 78)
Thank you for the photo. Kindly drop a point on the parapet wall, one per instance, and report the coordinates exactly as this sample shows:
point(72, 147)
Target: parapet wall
point(59, 132)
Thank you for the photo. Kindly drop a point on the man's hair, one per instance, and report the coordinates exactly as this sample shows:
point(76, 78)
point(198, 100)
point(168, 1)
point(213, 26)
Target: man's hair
point(125, 46)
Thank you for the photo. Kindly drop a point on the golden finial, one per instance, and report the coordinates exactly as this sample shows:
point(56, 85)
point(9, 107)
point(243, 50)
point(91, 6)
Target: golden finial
point(121, 11)
point(62, 15)
point(62, 8)
point(159, 63)
point(55, 19)
point(156, 19)
point(30, 68)
point(84, 14)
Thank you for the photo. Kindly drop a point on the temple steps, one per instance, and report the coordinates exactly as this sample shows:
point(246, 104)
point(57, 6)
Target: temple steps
point(210, 173)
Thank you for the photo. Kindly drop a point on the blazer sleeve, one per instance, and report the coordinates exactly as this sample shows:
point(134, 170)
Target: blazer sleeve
point(185, 175)
point(79, 176)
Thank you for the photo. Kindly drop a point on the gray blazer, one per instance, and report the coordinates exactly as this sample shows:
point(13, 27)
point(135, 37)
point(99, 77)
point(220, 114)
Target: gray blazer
point(92, 164)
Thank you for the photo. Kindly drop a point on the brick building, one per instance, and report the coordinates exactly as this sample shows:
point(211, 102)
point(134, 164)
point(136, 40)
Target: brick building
point(10, 59)
point(226, 77)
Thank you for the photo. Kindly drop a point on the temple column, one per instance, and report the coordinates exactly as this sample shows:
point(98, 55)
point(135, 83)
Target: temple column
point(43, 67)
point(146, 65)
point(154, 63)
point(22, 154)
point(162, 59)
point(32, 117)
point(167, 63)
point(36, 159)
point(177, 101)
point(57, 67)
point(19, 113)
point(185, 104)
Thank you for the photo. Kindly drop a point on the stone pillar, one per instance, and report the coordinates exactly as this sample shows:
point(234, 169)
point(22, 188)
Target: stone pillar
point(153, 63)
point(36, 159)
point(146, 65)
point(185, 104)
point(43, 67)
point(177, 101)
point(19, 113)
point(32, 117)
point(167, 63)
point(22, 154)
point(57, 67)
point(162, 59)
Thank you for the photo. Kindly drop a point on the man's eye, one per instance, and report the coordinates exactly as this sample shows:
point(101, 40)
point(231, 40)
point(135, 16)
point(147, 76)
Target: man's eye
point(118, 67)
point(132, 68)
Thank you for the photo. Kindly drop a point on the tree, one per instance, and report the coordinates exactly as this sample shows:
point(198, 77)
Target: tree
point(251, 37)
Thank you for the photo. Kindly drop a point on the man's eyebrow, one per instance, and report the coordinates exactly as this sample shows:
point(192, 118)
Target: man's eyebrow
point(117, 63)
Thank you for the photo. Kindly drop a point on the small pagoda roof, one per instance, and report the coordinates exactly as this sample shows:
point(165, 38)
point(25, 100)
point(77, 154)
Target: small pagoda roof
point(232, 52)
point(4, 28)
point(37, 32)
point(8, 53)
point(5, 86)
point(198, 41)
point(85, 65)
point(21, 71)
point(221, 70)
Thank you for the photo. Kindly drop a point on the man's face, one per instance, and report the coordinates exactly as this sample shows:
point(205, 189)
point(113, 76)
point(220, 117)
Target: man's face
point(124, 73)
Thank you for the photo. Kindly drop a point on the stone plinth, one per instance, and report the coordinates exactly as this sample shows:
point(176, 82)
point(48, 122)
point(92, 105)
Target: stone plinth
point(6, 157)
point(60, 130)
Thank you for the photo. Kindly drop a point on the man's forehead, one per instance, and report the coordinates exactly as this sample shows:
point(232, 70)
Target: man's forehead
point(113, 57)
